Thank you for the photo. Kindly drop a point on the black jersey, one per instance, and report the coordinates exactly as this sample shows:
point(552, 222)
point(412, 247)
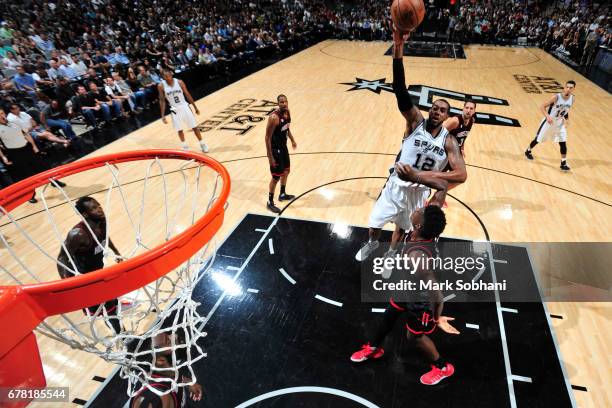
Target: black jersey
point(424, 304)
point(279, 135)
point(151, 398)
point(87, 260)
point(462, 131)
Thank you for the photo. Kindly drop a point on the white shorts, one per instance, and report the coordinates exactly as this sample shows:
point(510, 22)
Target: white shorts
point(182, 118)
point(555, 132)
point(396, 203)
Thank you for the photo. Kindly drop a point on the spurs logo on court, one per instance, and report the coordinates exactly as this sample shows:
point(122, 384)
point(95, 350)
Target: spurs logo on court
point(240, 117)
point(423, 96)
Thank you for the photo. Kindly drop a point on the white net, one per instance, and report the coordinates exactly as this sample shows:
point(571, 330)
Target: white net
point(153, 332)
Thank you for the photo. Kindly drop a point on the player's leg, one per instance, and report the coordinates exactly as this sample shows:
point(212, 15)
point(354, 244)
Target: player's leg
point(373, 348)
point(563, 148)
point(271, 188)
point(419, 325)
point(277, 172)
point(177, 124)
point(541, 136)
point(190, 122)
point(386, 209)
point(198, 135)
point(283, 196)
point(181, 135)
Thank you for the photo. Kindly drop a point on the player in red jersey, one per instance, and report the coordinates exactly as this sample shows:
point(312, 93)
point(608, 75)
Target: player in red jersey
point(424, 314)
point(277, 133)
point(460, 125)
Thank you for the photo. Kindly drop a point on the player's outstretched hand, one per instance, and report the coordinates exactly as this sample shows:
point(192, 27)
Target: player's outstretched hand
point(164, 121)
point(443, 323)
point(195, 392)
point(405, 172)
point(294, 145)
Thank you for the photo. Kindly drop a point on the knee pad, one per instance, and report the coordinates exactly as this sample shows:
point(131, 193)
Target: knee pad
point(275, 178)
point(563, 147)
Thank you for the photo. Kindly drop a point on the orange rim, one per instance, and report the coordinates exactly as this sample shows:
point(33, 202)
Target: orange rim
point(55, 297)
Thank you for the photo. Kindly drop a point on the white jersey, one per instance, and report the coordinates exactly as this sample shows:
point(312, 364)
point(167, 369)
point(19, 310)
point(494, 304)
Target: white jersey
point(423, 151)
point(174, 94)
point(560, 108)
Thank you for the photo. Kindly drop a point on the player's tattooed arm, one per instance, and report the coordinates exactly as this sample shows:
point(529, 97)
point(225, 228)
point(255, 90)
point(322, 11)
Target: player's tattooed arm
point(272, 123)
point(404, 101)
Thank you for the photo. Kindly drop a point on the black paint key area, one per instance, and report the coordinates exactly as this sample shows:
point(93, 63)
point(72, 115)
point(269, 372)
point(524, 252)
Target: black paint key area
point(284, 336)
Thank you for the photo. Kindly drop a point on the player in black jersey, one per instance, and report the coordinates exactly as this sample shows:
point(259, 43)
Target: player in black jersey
point(277, 133)
point(421, 317)
point(164, 368)
point(86, 253)
point(460, 125)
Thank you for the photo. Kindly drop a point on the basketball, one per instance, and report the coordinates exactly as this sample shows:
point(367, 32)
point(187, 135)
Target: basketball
point(407, 14)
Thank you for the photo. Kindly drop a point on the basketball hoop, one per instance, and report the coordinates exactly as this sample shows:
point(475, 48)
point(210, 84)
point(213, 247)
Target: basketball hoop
point(168, 240)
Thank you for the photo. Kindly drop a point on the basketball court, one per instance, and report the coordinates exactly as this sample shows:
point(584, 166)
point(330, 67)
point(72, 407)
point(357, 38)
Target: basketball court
point(281, 301)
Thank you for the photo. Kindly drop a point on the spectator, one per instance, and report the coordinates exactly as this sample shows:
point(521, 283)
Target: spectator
point(56, 116)
point(590, 47)
point(20, 150)
point(11, 61)
point(89, 107)
point(137, 98)
point(66, 70)
point(115, 93)
point(78, 66)
point(63, 91)
point(120, 57)
point(106, 101)
point(146, 81)
point(28, 125)
point(53, 71)
point(25, 82)
point(41, 76)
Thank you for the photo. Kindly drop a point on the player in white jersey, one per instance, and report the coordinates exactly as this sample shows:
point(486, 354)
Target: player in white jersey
point(426, 146)
point(175, 91)
point(553, 126)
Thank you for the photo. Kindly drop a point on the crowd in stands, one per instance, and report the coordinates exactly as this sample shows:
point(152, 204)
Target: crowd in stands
point(100, 60)
point(576, 30)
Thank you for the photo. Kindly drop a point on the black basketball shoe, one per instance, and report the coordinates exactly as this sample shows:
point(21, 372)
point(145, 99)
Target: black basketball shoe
point(565, 167)
point(528, 155)
point(285, 197)
point(273, 208)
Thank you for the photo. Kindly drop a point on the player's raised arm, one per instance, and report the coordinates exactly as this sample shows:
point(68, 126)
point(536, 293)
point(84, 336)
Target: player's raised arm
point(544, 108)
point(404, 102)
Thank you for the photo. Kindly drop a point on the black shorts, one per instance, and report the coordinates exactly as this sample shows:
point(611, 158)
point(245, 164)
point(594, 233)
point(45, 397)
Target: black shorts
point(418, 320)
point(281, 157)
